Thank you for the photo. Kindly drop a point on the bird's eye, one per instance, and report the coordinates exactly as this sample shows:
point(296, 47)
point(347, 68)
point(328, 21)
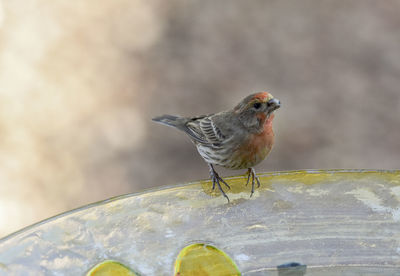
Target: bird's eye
point(257, 105)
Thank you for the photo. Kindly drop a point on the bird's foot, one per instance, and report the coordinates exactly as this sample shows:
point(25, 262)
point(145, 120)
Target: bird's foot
point(216, 179)
point(254, 178)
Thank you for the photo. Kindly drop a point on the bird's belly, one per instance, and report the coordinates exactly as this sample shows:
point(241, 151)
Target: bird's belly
point(247, 158)
point(236, 157)
point(252, 151)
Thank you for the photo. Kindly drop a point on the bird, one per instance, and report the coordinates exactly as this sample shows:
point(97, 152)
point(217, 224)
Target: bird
point(238, 138)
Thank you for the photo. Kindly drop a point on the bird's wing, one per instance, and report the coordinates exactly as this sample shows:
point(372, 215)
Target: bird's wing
point(205, 130)
point(211, 130)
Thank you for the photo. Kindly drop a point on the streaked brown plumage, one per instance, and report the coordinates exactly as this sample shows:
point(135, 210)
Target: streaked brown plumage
point(239, 138)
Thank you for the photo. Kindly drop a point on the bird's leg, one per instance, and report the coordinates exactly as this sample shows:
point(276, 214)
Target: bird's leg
point(248, 177)
point(254, 179)
point(214, 174)
point(216, 179)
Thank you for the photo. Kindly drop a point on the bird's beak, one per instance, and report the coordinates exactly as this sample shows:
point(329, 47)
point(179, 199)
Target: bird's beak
point(273, 104)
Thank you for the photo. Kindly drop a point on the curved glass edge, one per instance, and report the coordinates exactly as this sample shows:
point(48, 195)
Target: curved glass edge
point(198, 182)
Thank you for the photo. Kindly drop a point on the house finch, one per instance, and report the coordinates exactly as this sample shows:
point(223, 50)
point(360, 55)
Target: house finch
point(239, 138)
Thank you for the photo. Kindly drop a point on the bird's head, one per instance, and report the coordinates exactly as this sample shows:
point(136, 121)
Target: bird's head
point(256, 110)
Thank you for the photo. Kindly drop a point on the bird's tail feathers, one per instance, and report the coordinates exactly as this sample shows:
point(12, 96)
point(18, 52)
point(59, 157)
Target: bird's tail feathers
point(181, 124)
point(170, 120)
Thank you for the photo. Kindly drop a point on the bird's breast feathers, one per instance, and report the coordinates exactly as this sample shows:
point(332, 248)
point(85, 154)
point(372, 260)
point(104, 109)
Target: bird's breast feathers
point(256, 147)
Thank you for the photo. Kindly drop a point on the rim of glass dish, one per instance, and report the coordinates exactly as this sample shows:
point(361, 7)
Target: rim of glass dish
point(165, 187)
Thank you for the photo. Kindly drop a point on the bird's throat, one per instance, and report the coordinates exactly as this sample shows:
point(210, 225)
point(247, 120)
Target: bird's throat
point(265, 122)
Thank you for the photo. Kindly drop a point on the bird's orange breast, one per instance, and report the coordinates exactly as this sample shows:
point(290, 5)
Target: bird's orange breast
point(257, 146)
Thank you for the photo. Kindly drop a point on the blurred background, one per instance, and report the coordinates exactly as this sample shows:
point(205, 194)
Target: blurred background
point(81, 80)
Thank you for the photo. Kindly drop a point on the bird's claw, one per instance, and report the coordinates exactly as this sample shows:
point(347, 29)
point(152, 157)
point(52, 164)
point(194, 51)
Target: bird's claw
point(216, 179)
point(254, 178)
